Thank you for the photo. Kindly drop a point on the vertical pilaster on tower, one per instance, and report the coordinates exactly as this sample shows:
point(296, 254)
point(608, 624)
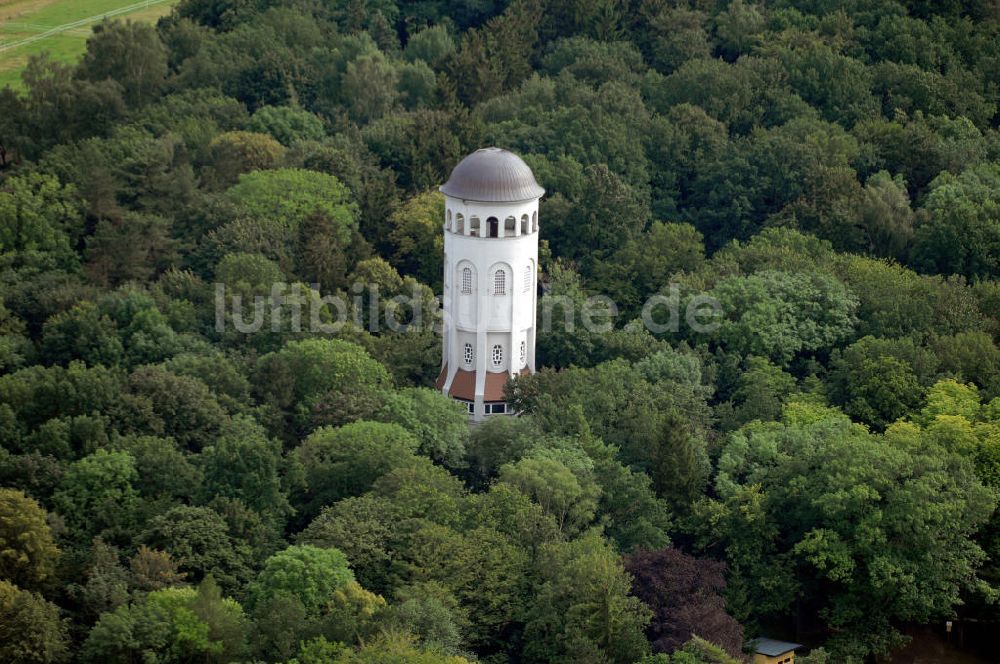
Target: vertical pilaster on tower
point(490, 277)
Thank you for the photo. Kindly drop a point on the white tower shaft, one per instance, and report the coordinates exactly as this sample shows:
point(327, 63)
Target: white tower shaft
point(490, 294)
point(490, 272)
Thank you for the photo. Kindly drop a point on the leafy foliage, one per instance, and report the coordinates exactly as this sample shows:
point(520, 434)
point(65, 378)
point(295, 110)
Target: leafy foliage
point(28, 552)
point(827, 445)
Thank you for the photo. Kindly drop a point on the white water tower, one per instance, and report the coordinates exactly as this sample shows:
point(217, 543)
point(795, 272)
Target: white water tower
point(490, 270)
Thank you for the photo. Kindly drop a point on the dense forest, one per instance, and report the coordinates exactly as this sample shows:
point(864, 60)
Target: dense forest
point(822, 466)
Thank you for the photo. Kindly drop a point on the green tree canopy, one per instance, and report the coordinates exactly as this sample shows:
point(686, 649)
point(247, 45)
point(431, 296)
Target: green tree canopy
point(961, 230)
point(32, 631)
point(286, 197)
point(244, 464)
point(346, 461)
point(806, 509)
point(305, 572)
point(781, 314)
point(441, 425)
point(288, 125)
point(417, 239)
point(567, 619)
point(97, 494)
point(173, 625)
point(305, 375)
point(129, 53)
point(38, 214)
point(28, 552)
point(198, 538)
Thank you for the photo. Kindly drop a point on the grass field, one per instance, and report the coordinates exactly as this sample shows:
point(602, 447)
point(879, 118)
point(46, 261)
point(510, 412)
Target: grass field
point(60, 27)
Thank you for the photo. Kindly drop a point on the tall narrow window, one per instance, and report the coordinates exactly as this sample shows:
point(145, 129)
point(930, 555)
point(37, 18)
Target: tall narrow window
point(500, 283)
point(528, 279)
point(524, 353)
point(466, 280)
point(497, 355)
point(468, 355)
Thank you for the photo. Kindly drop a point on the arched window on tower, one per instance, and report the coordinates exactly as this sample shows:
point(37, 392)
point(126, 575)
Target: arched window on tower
point(460, 224)
point(528, 278)
point(509, 226)
point(500, 283)
point(466, 280)
point(493, 226)
point(448, 221)
point(524, 224)
point(534, 222)
point(474, 226)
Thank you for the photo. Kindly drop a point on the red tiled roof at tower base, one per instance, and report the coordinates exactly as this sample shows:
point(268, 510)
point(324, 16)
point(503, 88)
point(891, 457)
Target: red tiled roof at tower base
point(464, 384)
point(494, 386)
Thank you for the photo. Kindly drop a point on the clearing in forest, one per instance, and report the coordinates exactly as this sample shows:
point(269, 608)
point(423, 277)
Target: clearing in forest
point(60, 27)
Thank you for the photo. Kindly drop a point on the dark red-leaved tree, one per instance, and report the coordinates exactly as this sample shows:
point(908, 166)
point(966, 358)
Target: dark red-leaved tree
point(685, 594)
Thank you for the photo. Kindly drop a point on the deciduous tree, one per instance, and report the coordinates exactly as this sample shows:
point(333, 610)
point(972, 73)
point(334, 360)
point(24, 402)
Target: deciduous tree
point(28, 552)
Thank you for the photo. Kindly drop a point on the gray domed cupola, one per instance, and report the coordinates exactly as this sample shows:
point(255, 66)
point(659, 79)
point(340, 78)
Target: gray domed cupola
point(492, 175)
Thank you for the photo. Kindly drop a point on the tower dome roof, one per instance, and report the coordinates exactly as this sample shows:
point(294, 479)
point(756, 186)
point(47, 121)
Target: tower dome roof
point(492, 175)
